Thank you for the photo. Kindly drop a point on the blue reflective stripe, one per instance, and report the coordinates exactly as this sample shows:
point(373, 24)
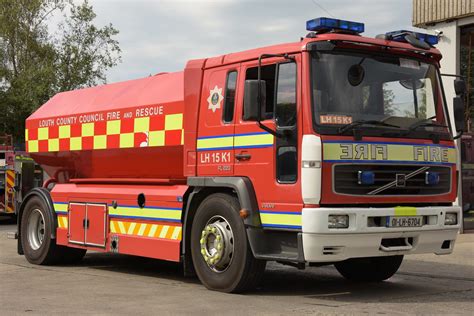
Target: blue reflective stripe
point(282, 212)
point(281, 226)
point(232, 135)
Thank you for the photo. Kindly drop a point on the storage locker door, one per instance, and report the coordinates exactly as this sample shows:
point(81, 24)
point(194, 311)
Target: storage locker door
point(96, 230)
point(77, 221)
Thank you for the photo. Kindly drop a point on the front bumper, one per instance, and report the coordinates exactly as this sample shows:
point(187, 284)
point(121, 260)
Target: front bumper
point(367, 235)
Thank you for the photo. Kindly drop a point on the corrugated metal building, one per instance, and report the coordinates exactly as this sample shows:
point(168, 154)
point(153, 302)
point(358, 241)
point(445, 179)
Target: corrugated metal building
point(453, 20)
point(428, 12)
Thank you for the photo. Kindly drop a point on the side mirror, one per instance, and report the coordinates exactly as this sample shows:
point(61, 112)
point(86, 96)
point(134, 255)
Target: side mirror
point(458, 108)
point(251, 102)
point(459, 86)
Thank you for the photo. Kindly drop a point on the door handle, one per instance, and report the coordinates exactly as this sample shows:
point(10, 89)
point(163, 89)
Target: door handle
point(243, 157)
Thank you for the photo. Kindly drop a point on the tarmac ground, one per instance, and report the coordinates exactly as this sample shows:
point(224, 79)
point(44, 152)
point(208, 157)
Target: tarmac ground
point(108, 284)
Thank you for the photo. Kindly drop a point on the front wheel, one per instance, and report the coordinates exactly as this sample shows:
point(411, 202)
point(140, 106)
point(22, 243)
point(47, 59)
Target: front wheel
point(374, 269)
point(221, 253)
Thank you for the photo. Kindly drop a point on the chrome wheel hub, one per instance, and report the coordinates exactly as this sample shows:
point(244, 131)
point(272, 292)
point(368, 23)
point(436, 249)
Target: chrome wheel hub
point(217, 244)
point(36, 229)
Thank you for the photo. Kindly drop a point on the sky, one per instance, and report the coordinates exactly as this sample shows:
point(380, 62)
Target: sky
point(162, 35)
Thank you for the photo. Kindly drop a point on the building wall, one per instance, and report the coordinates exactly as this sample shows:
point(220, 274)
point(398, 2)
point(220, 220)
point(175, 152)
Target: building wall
point(449, 46)
point(426, 12)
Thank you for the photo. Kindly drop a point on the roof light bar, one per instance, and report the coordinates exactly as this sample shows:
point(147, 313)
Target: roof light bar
point(399, 36)
point(328, 24)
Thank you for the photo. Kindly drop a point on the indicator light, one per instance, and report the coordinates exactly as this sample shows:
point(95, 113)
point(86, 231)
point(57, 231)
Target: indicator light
point(451, 219)
point(338, 221)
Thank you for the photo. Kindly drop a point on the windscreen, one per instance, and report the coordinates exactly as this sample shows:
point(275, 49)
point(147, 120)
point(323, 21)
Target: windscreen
point(402, 95)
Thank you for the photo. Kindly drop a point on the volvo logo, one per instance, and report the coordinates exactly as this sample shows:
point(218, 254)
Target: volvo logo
point(401, 180)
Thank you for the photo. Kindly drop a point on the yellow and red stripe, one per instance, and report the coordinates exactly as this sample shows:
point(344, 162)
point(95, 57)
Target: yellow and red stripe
point(150, 131)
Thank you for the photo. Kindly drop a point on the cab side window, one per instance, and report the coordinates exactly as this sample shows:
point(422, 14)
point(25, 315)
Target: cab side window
point(229, 102)
point(285, 107)
point(280, 86)
point(268, 75)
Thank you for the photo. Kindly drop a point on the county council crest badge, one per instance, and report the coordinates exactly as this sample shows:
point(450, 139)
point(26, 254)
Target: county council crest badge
point(215, 98)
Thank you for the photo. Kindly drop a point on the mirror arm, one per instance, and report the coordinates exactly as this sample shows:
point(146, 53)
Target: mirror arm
point(458, 135)
point(259, 92)
point(452, 75)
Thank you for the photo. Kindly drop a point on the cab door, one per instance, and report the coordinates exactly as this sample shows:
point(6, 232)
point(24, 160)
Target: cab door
point(215, 143)
point(271, 162)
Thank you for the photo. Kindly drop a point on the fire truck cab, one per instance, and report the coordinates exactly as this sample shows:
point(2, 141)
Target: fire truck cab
point(335, 149)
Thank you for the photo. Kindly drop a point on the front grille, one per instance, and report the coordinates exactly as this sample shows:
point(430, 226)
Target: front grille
point(346, 180)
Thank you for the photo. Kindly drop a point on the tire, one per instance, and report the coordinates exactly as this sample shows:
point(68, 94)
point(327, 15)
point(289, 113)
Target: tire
point(38, 246)
point(374, 269)
point(234, 268)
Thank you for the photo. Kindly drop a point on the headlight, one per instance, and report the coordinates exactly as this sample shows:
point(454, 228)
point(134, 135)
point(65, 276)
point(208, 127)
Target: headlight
point(451, 219)
point(338, 221)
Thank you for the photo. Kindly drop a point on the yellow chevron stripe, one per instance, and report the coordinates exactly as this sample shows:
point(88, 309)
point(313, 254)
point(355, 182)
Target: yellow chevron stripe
point(131, 228)
point(145, 229)
point(113, 229)
point(163, 232)
point(142, 229)
point(176, 232)
point(62, 222)
point(152, 230)
point(121, 227)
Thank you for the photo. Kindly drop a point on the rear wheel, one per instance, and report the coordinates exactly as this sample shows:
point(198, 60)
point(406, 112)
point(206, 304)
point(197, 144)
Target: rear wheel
point(38, 246)
point(221, 253)
point(374, 269)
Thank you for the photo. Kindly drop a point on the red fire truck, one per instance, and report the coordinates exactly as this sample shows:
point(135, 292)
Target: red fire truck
point(18, 175)
point(7, 175)
point(335, 149)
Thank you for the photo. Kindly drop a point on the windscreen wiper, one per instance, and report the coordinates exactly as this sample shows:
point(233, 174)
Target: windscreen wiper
point(426, 122)
point(354, 124)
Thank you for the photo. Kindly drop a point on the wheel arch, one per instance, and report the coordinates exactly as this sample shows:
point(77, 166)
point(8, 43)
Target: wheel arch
point(43, 194)
point(202, 187)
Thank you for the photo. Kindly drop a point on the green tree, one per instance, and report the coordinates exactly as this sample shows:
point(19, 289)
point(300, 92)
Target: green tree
point(85, 51)
point(388, 98)
point(35, 63)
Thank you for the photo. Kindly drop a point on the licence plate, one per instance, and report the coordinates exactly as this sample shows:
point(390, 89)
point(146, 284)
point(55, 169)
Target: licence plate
point(404, 221)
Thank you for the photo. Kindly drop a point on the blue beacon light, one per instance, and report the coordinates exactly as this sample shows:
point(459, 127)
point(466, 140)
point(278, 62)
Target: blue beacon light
point(399, 36)
point(328, 24)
